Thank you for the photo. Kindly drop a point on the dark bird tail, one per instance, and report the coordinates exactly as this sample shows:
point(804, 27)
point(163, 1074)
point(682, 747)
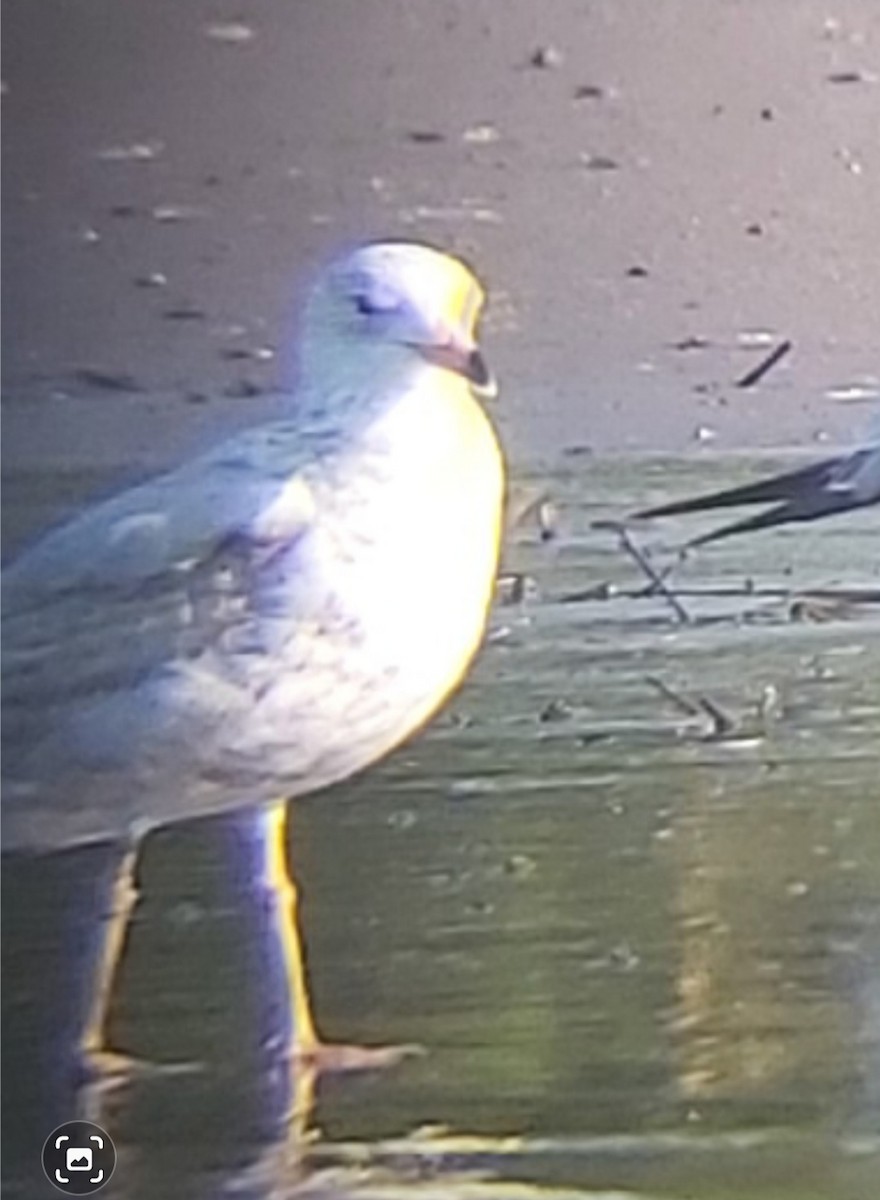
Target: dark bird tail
point(810, 492)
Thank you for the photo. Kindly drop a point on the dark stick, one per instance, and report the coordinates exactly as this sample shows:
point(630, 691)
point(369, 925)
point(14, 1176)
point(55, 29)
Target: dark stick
point(766, 364)
point(722, 725)
point(853, 595)
point(658, 584)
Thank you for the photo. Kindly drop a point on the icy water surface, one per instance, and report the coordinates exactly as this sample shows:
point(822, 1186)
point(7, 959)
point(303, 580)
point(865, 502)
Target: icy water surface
point(625, 893)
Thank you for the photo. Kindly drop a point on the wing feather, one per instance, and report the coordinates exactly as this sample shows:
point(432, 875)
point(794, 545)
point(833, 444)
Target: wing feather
point(157, 574)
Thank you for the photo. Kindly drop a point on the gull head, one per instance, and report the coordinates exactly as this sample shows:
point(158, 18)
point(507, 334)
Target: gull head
point(392, 307)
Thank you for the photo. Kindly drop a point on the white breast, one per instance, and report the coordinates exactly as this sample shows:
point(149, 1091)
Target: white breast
point(349, 639)
point(395, 580)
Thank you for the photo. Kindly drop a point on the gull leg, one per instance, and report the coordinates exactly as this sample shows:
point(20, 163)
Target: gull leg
point(284, 900)
point(307, 1047)
point(282, 887)
point(63, 929)
point(102, 1065)
point(99, 1059)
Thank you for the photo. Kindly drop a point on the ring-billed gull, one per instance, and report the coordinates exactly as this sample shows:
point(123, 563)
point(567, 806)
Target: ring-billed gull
point(277, 614)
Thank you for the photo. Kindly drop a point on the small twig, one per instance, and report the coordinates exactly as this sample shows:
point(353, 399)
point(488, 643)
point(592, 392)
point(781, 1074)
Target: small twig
point(681, 702)
point(853, 595)
point(645, 565)
point(652, 588)
point(724, 591)
point(766, 364)
point(721, 723)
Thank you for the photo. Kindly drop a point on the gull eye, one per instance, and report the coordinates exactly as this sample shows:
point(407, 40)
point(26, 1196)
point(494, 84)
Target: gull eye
point(376, 301)
point(366, 306)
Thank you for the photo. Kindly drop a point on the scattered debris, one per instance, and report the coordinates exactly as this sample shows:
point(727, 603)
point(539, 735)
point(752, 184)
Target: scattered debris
point(766, 364)
point(184, 312)
point(534, 505)
point(719, 723)
point(168, 214)
point(481, 135)
point(108, 381)
point(425, 137)
point(861, 389)
point(599, 591)
point(851, 77)
point(819, 607)
point(755, 337)
point(598, 162)
point(691, 342)
point(515, 588)
point(468, 210)
point(520, 866)
point(546, 58)
point(548, 520)
point(770, 704)
point(555, 710)
point(852, 163)
point(643, 562)
point(248, 353)
point(589, 91)
point(405, 819)
point(624, 957)
point(232, 33)
point(244, 389)
point(133, 152)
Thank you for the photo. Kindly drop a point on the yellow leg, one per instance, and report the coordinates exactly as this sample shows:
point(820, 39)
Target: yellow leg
point(123, 899)
point(280, 879)
point(309, 1051)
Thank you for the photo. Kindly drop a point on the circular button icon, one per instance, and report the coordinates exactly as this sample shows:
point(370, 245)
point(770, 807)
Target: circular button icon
point(79, 1158)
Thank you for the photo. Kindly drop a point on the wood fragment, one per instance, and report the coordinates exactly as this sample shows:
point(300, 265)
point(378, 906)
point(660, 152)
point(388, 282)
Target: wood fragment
point(766, 364)
point(681, 702)
point(721, 724)
point(641, 560)
point(748, 589)
point(108, 381)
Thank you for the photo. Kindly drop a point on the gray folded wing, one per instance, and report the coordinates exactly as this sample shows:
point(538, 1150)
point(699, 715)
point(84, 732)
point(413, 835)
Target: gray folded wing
point(133, 629)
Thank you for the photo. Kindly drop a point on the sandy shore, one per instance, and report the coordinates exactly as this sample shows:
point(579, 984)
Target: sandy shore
point(655, 193)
